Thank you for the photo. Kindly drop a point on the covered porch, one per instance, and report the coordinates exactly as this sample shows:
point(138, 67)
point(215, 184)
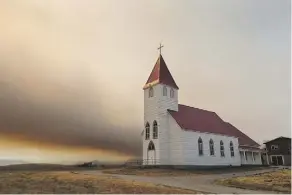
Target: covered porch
point(250, 156)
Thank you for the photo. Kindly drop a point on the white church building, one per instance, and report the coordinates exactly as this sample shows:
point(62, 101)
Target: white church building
point(176, 134)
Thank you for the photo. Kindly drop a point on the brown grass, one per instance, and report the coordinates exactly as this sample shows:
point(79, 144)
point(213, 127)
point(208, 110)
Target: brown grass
point(150, 172)
point(70, 183)
point(278, 181)
point(159, 172)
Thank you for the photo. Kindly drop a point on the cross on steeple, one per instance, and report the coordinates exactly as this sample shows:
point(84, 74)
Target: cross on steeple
point(159, 48)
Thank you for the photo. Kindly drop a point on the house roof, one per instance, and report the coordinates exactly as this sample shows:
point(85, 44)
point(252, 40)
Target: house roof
point(277, 138)
point(195, 119)
point(160, 74)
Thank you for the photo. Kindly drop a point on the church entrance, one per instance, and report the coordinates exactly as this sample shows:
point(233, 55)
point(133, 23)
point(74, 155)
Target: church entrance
point(151, 154)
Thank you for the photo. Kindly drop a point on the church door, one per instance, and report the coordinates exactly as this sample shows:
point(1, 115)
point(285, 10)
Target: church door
point(151, 156)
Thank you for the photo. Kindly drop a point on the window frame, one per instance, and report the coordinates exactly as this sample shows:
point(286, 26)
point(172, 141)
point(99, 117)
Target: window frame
point(164, 91)
point(200, 147)
point(211, 147)
point(171, 93)
point(147, 131)
point(231, 149)
point(222, 152)
point(155, 130)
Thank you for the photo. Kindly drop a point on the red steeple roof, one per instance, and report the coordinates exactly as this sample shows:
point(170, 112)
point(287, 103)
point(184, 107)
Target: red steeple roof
point(160, 74)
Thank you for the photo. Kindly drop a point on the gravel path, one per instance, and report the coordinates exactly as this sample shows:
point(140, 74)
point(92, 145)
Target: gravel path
point(203, 183)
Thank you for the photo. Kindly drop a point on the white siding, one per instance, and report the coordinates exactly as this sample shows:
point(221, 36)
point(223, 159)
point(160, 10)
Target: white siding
point(175, 142)
point(155, 108)
point(184, 148)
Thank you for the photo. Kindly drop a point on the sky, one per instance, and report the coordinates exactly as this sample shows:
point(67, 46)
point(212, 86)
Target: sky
point(72, 71)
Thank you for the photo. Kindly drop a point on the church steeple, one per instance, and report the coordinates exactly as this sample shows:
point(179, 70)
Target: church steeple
point(160, 74)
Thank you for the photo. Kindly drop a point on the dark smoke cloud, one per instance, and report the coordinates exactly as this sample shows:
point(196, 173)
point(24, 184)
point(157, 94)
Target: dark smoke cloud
point(64, 123)
point(48, 93)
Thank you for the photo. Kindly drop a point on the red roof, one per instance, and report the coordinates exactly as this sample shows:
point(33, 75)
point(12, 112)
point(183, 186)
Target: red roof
point(242, 138)
point(160, 74)
point(195, 119)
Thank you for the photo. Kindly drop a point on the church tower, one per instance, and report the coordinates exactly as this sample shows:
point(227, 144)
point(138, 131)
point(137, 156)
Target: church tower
point(160, 95)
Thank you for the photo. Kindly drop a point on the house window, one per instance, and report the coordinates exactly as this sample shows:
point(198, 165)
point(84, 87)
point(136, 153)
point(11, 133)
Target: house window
point(171, 93)
point(147, 129)
point(151, 92)
point(274, 147)
point(211, 145)
point(164, 91)
point(231, 149)
point(222, 148)
point(155, 130)
point(200, 146)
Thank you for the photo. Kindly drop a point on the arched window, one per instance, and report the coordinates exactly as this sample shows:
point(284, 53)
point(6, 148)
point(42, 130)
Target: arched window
point(151, 92)
point(147, 129)
point(151, 146)
point(211, 145)
point(164, 91)
point(200, 146)
point(222, 148)
point(171, 93)
point(155, 130)
point(231, 149)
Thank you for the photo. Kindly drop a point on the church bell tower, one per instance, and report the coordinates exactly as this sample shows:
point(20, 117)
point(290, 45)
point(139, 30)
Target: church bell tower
point(160, 95)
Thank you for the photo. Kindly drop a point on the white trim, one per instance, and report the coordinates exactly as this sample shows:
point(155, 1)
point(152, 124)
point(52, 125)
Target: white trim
point(249, 146)
point(250, 150)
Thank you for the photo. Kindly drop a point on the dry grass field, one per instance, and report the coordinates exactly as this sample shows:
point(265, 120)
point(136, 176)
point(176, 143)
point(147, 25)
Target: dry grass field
point(61, 182)
point(150, 172)
point(278, 181)
point(157, 172)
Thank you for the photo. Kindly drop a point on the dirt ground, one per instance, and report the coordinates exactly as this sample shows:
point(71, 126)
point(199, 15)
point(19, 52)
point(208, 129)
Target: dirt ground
point(71, 183)
point(278, 181)
point(158, 172)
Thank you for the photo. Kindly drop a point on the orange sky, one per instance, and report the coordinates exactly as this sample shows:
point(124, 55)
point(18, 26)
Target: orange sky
point(18, 147)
